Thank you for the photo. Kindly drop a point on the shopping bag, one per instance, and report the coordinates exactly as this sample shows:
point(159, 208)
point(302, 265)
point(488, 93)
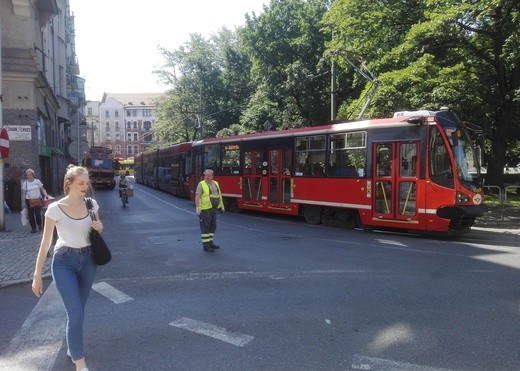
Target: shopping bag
point(24, 216)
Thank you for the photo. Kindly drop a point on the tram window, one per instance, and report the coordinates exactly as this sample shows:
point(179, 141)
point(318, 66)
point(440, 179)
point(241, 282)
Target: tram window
point(310, 156)
point(408, 154)
point(247, 163)
point(274, 162)
point(212, 157)
point(440, 165)
point(384, 160)
point(347, 156)
point(286, 162)
point(258, 163)
point(231, 160)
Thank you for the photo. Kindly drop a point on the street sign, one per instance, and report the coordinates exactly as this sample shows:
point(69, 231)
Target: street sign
point(4, 143)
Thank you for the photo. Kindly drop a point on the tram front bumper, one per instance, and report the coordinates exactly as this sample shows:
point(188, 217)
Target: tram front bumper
point(460, 212)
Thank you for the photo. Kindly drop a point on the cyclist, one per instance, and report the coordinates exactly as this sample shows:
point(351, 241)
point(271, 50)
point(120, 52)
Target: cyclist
point(123, 182)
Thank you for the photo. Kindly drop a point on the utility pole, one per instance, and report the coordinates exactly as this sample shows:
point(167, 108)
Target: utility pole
point(332, 91)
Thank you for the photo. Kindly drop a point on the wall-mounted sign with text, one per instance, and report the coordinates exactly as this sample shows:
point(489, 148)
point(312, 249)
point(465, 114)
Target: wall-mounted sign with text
point(19, 132)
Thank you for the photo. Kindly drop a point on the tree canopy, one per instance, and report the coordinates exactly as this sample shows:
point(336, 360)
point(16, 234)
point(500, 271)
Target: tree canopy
point(276, 68)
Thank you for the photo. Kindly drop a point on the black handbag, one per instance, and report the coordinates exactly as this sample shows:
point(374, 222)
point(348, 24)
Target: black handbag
point(100, 251)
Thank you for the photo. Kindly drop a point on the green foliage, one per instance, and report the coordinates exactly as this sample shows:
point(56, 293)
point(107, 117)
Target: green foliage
point(425, 54)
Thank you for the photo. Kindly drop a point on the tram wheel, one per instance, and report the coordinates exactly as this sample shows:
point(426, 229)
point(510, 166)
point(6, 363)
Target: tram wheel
point(231, 205)
point(312, 214)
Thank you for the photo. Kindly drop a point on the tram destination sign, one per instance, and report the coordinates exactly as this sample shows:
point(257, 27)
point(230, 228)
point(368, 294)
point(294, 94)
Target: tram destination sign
point(19, 133)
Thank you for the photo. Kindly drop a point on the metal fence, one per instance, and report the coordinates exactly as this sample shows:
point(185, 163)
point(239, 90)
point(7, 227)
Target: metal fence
point(502, 195)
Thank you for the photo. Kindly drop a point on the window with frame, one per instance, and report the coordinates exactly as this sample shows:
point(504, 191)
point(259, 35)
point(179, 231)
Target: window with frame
point(440, 169)
point(231, 159)
point(310, 156)
point(212, 157)
point(347, 154)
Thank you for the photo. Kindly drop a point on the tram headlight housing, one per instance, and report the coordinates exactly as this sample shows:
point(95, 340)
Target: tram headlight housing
point(462, 198)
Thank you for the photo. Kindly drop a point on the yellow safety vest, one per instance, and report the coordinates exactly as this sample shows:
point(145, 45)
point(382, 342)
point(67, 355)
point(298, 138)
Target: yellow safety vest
point(205, 202)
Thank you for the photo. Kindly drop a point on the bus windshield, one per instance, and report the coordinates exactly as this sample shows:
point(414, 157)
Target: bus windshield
point(468, 169)
point(100, 163)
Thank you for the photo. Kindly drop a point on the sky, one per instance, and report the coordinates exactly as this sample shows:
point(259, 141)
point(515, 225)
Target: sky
point(117, 40)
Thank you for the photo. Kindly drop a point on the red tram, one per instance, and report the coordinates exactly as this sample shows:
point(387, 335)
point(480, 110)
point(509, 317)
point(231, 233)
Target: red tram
point(416, 171)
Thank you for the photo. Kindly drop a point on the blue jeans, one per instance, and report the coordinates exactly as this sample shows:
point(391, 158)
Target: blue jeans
point(73, 271)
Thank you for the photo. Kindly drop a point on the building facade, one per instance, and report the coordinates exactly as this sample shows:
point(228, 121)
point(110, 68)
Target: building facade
point(41, 90)
point(124, 122)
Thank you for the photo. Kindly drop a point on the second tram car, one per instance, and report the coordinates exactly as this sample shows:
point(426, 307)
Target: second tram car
point(167, 169)
point(416, 171)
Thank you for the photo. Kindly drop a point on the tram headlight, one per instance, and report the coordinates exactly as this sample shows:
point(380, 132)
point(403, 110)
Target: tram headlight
point(462, 198)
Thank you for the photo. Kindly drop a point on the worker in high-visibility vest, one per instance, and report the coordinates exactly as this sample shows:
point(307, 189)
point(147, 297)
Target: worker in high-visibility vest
point(208, 200)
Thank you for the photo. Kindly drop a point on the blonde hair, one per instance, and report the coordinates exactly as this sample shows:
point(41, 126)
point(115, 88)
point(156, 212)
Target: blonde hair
point(29, 171)
point(72, 173)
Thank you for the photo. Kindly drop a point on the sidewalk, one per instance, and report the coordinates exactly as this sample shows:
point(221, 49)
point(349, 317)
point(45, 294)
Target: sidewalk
point(19, 247)
point(18, 250)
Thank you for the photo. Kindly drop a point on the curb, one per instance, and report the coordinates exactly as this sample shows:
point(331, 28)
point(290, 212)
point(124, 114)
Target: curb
point(22, 281)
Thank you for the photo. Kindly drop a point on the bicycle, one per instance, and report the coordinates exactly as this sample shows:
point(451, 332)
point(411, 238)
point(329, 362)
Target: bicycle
point(124, 196)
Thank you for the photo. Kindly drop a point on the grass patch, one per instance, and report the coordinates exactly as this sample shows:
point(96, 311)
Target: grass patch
point(493, 199)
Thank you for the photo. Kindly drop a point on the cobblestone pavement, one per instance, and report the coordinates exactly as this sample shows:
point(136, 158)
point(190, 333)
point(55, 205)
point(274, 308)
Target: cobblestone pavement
point(18, 250)
point(19, 247)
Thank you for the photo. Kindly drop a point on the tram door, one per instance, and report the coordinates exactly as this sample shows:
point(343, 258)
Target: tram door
point(394, 192)
point(279, 177)
point(252, 181)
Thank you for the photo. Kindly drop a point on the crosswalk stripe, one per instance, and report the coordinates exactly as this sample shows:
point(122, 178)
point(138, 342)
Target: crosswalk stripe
point(370, 363)
point(38, 342)
point(111, 293)
point(210, 330)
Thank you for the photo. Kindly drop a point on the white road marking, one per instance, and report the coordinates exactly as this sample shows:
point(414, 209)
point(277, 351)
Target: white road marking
point(210, 330)
point(38, 342)
point(371, 363)
point(111, 293)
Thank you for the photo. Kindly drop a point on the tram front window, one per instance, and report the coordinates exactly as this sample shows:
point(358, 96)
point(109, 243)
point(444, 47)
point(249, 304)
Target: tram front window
point(468, 170)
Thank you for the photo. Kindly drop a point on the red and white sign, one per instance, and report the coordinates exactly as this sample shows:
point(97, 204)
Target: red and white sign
point(4, 144)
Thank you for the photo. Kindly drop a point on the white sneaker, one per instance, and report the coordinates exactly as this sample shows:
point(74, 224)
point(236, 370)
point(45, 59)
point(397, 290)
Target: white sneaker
point(84, 369)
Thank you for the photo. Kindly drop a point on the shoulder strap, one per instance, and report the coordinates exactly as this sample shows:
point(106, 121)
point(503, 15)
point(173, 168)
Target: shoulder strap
point(90, 207)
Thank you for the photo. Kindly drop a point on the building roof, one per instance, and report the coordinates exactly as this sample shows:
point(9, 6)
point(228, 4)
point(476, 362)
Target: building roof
point(134, 99)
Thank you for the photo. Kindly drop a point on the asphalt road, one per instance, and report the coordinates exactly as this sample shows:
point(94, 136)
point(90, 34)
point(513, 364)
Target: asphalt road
point(280, 294)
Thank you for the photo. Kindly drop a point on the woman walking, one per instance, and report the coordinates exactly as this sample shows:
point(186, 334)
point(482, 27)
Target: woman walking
point(73, 268)
point(32, 189)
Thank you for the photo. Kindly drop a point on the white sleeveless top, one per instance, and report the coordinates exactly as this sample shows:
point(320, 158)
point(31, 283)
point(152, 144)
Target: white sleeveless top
point(71, 232)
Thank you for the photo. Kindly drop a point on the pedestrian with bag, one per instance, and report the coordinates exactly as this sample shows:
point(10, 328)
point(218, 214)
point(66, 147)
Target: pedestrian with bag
point(32, 190)
point(208, 200)
point(73, 266)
